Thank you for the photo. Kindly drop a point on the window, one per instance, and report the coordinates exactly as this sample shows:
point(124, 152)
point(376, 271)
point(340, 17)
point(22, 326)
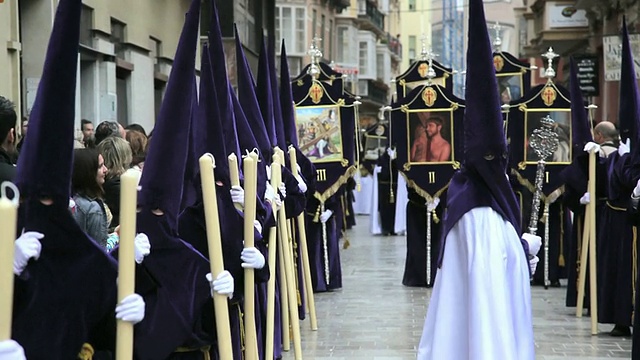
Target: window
point(321, 35)
point(86, 26)
point(412, 47)
point(314, 23)
point(118, 37)
point(412, 5)
point(364, 57)
point(291, 26)
point(156, 50)
point(436, 41)
point(330, 54)
point(380, 68)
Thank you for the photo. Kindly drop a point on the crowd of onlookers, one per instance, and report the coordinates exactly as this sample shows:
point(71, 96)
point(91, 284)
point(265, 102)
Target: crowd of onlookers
point(101, 155)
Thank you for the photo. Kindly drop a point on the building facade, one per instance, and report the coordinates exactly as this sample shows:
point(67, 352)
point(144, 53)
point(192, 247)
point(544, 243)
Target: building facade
point(126, 51)
point(584, 27)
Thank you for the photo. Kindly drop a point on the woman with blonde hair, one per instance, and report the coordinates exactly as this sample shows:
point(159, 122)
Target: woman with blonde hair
point(117, 158)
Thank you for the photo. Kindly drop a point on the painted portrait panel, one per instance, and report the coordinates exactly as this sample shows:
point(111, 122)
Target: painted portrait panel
point(430, 136)
point(319, 135)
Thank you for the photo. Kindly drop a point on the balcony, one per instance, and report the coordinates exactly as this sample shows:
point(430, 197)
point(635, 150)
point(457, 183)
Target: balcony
point(340, 4)
point(370, 18)
point(395, 47)
point(373, 92)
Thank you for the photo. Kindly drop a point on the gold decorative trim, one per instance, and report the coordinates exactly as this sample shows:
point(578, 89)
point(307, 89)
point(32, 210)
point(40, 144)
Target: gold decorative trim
point(349, 172)
point(532, 188)
point(412, 184)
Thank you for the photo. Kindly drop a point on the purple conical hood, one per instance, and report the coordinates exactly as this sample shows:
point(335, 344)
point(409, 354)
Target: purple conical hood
point(581, 130)
point(249, 101)
point(275, 93)
point(221, 80)
point(169, 144)
point(628, 113)
point(286, 99)
point(210, 120)
point(263, 92)
point(45, 163)
point(483, 129)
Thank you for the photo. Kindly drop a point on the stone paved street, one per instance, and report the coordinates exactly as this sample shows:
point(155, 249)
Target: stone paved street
point(375, 317)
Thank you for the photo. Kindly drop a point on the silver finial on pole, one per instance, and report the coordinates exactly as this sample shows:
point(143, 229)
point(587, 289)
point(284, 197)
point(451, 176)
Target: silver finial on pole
point(315, 54)
point(549, 73)
point(497, 41)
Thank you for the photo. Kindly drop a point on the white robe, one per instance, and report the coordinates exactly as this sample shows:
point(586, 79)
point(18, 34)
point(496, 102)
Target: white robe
point(402, 198)
point(362, 204)
point(481, 302)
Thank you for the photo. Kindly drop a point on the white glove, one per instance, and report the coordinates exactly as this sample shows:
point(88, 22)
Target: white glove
point(283, 190)
point(27, 246)
point(591, 147)
point(131, 309)
point(237, 195)
point(270, 193)
point(377, 169)
point(142, 247)
point(72, 204)
point(433, 204)
point(269, 172)
point(624, 148)
point(533, 263)
point(391, 153)
point(586, 198)
point(257, 225)
point(325, 215)
point(278, 202)
point(11, 350)
point(252, 258)
point(636, 190)
point(535, 242)
point(223, 284)
point(301, 184)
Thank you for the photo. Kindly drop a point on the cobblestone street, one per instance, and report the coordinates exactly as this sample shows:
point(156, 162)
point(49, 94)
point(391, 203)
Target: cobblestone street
point(375, 317)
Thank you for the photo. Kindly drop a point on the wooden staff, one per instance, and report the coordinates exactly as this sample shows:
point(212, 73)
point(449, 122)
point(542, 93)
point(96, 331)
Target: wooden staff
point(582, 271)
point(126, 258)
point(271, 284)
point(304, 252)
point(235, 175)
point(591, 213)
point(8, 224)
point(291, 290)
point(223, 329)
point(249, 166)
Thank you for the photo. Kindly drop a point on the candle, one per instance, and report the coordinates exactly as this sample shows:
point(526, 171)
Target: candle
point(250, 189)
point(126, 258)
point(234, 174)
point(8, 223)
point(223, 330)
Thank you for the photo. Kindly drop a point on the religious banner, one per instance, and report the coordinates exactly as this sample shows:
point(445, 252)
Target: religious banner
point(514, 76)
point(523, 119)
point(427, 132)
point(416, 75)
point(326, 74)
point(375, 142)
point(325, 123)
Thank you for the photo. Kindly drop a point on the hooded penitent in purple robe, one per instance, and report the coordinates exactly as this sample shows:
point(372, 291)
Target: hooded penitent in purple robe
point(71, 287)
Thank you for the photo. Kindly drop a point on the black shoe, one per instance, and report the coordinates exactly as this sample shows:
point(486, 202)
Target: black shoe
point(555, 284)
point(620, 331)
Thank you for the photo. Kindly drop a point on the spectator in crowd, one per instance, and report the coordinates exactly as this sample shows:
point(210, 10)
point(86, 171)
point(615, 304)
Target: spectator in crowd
point(8, 151)
point(23, 133)
point(87, 130)
point(136, 127)
point(138, 143)
point(106, 129)
point(90, 211)
point(117, 158)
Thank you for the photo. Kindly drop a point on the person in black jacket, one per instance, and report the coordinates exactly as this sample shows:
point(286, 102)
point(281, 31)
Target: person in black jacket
point(8, 140)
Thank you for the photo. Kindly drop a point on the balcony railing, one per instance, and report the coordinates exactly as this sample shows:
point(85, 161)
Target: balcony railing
point(394, 45)
point(370, 12)
point(372, 92)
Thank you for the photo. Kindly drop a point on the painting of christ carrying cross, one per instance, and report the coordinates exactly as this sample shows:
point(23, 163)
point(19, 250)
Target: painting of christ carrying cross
point(319, 135)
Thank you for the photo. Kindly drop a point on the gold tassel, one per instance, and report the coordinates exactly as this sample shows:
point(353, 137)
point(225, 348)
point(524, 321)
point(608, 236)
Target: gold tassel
point(316, 218)
point(435, 217)
point(346, 244)
point(86, 353)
